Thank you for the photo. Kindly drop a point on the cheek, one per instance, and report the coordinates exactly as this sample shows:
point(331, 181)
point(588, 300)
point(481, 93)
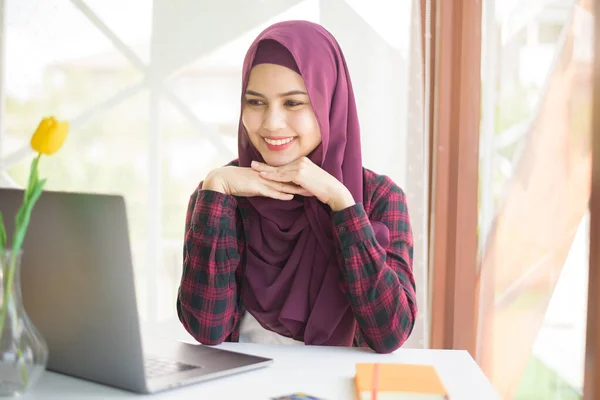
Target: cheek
point(250, 120)
point(306, 126)
point(252, 123)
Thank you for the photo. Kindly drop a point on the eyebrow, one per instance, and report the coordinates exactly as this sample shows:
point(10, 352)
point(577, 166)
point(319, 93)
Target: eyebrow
point(290, 93)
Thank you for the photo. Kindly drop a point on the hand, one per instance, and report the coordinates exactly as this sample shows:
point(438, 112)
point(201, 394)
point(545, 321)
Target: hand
point(309, 176)
point(246, 182)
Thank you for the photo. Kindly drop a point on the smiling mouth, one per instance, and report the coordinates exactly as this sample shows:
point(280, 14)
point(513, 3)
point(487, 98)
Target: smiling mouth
point(278, 142)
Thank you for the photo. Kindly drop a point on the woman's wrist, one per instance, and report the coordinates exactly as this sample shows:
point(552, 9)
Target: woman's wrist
point(214, 182)
point(342, 200)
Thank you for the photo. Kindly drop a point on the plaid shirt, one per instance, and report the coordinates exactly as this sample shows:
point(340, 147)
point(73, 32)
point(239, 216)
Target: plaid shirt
point(378, 282)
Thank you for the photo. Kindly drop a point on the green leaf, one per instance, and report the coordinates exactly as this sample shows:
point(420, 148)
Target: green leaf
point(31, 184)
point(2, 235)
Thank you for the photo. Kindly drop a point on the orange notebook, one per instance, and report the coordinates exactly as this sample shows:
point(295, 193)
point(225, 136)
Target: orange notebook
point(398, 382)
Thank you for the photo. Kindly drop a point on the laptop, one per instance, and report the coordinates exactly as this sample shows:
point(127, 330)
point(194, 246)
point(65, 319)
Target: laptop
point(78, 289)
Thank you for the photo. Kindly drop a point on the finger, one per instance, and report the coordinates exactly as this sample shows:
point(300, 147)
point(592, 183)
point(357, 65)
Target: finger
point(285, 187)
point(275, 194)
point(279, 176)
point(290, 188)
point(262, 167)
point(258, 166)
point(305, 193)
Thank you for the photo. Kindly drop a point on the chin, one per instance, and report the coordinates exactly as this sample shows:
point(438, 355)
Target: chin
point(278, 160)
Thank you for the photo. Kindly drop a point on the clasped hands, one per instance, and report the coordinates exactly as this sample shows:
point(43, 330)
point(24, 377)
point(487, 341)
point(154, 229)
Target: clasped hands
point(300, 177)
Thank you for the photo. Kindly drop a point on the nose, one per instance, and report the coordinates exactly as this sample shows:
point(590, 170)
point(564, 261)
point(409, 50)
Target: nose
point(273, 119)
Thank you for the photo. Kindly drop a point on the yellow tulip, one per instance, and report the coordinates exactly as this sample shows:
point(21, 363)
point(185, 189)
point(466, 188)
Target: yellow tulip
point(49, 136)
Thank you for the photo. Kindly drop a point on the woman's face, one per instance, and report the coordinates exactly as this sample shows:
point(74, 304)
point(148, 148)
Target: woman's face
point(278, 116)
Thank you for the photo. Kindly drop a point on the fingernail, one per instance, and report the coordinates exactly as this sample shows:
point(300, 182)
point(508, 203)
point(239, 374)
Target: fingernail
point(254, 163)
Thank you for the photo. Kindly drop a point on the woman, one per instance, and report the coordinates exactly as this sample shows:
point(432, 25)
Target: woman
point(295, 242)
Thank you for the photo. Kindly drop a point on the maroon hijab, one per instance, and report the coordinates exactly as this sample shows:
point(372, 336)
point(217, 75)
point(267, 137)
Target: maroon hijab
point(292, 274)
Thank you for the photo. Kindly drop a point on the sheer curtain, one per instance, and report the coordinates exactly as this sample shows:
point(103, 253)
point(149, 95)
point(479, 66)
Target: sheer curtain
point(152, 90)
point(534, 262)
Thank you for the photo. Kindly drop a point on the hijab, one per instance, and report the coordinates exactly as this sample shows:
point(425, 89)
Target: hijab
point(292, 276)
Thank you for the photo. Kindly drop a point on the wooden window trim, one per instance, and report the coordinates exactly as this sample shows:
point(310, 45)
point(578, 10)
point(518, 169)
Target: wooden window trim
point(454, 89)
point(591, 385)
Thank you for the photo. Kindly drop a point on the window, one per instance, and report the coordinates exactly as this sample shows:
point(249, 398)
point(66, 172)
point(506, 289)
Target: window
point(152, 90)
point(535, 186)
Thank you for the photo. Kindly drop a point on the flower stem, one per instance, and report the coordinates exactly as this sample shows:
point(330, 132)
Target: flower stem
point(24, 375)
point(10, 276)
point(7, 290)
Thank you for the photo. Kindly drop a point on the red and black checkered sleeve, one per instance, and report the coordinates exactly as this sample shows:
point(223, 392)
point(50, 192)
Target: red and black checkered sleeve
point(377, 281)
point(207, 303)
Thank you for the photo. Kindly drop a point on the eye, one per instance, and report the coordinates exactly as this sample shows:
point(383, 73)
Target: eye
point(254, 102)
point(292, 103)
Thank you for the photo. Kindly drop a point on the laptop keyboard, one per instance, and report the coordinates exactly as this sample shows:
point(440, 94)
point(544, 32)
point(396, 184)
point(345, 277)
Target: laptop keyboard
point(158, 367)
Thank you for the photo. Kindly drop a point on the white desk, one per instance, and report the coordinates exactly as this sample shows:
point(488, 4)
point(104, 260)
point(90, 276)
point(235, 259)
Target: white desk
point(320, 371)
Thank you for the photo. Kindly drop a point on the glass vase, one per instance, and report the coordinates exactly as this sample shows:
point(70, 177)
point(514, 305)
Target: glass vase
point(23, 351)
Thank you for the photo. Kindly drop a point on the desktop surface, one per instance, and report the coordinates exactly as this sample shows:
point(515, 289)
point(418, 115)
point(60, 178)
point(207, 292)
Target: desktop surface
point(324, 372)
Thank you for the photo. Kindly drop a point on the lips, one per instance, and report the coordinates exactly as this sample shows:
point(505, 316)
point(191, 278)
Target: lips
point(279, 143)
